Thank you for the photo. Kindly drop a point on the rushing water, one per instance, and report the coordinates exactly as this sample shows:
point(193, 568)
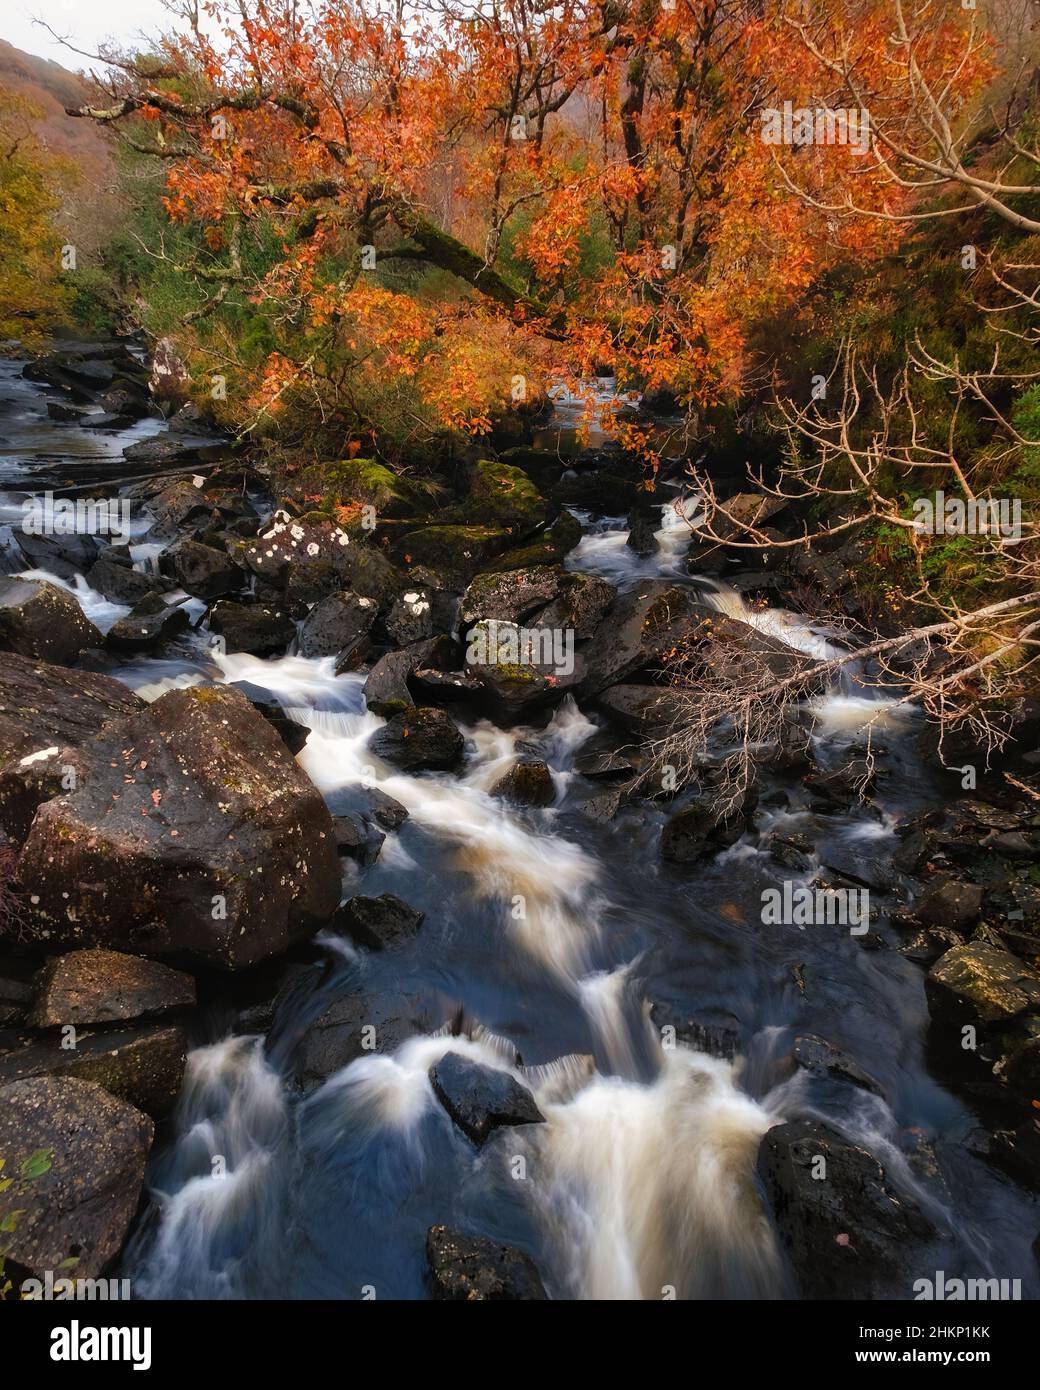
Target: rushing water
point(554, 934)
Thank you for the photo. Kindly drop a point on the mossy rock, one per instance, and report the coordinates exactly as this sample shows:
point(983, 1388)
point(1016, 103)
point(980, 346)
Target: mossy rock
point(548, 549)
point(366, 482)
point(456, 553)
point(502, 496)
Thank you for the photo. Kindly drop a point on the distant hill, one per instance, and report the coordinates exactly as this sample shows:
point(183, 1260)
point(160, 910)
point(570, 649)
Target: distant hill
point(51, 87)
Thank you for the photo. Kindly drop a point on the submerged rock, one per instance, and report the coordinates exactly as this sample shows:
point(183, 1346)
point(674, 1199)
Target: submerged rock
point(703, 828)
point(824, 1059)
point(77, 1157)
point(470, 1269)
point(481, 1099)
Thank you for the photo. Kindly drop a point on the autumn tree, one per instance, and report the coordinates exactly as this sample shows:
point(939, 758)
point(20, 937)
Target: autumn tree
point(32, 295)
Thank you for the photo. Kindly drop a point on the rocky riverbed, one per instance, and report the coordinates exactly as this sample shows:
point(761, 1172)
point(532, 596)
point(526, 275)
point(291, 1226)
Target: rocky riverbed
point(340, 956)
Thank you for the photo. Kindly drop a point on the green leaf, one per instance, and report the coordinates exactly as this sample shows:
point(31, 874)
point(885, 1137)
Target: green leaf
point(37, 1164)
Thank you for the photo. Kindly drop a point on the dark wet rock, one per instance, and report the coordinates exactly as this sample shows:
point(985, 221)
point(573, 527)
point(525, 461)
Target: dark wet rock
point(390, 814)
point(357, 838)
point(951, 904)
point(543, 466)
point(511, 595)
point(1019, 1069)
point(1014, 1151)
point(339, 626)
point(792, 849)
point(358, 1025)
point(142, 1065)
point(481, 1099)
point(547, 547)
point(419, 740)
point(639, 709)
point(40, 620)
point(928, 945)
point(173, 448)
point(294, 735)
point(822, 1058)
point(640, 629)
point(252, 628)
point(642, 528)
point(470, 1269)
point(602, 492)
point(580, 606)
point(387, 687)
point(378, 922)
point(192, 831)
point(716, 1037)
point(122, 583)
point(64, 414)
point(527, 783)
point(602, 807)
point(847, 1234)
point(791, 754)
point(152, 620)
point(604, 756)
point(983, 982)
point(202, 570)
point(411, 618)
point(703, 828)
point(92, 1149)
point(841, 787)
point(63, 556)
point(96, 986)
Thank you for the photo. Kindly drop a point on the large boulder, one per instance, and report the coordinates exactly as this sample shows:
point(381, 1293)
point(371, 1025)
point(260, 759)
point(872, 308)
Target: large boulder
point(704, 827)
point(419, 740)
point(191, 830)
point(527, 783)
point(503, 496)
point(97, 986)
point(363, 482)
point(481, 1099)
point(471, 1269)
point(122, 583)
point(846, 1232)
point(76, 1155)
point(40, 620)
point(511, 595)
point(43, 711)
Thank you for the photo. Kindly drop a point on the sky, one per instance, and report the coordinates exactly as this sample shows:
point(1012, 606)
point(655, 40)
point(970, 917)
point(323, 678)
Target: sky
point(85, 23)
